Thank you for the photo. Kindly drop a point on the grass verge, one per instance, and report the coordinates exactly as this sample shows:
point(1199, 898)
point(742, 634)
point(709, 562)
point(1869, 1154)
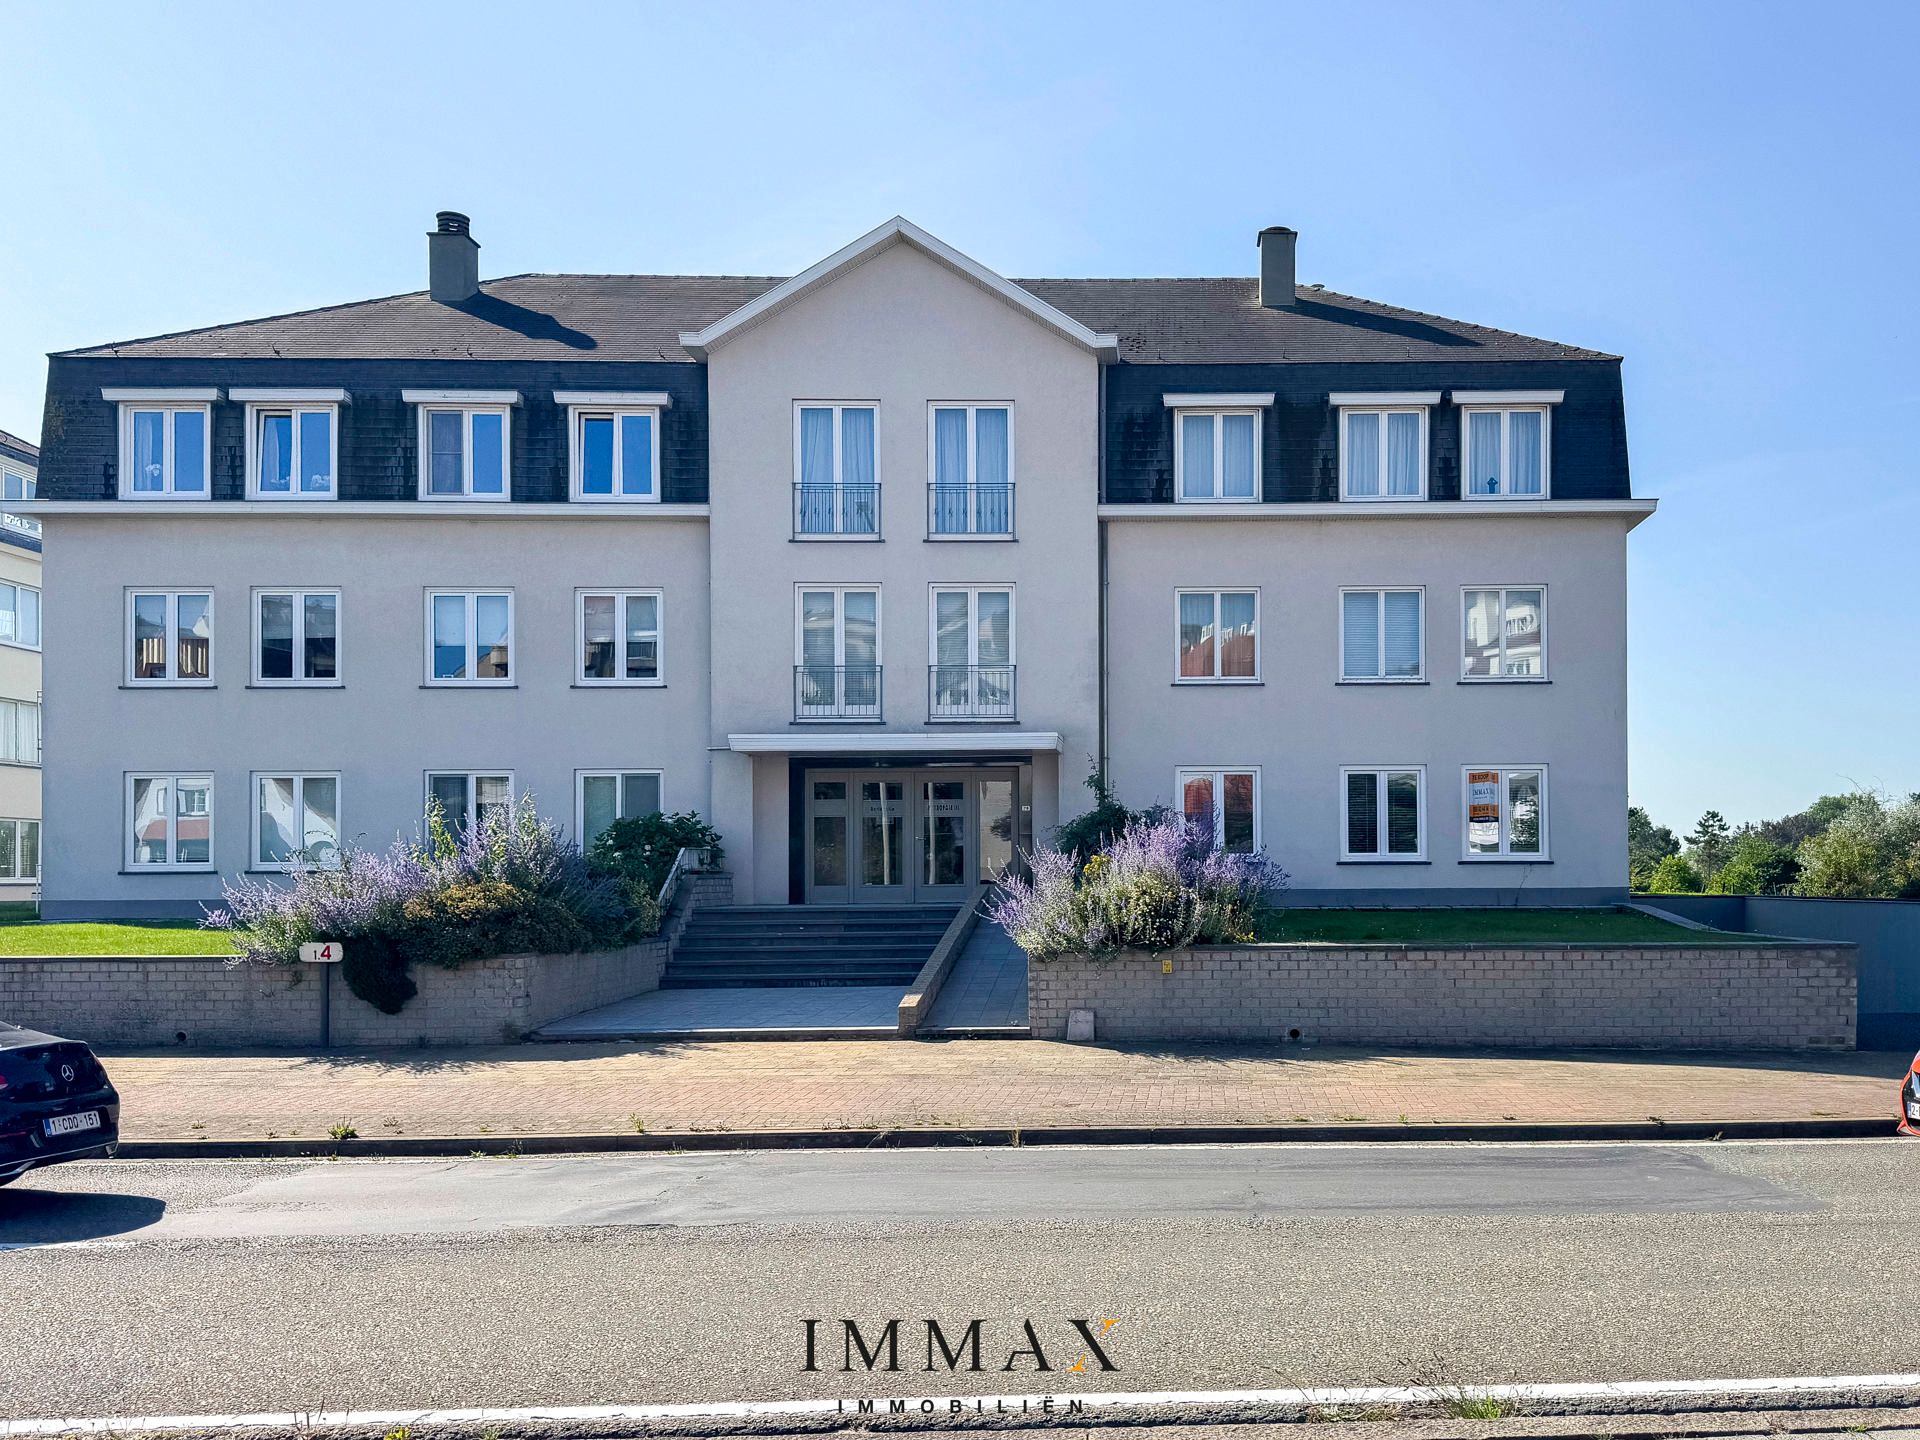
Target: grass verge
point(1483, 927)
point(148, 937)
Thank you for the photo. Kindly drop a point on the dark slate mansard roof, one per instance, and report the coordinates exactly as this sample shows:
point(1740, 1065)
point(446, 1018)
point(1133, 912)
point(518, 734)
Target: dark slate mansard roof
point(641, 318)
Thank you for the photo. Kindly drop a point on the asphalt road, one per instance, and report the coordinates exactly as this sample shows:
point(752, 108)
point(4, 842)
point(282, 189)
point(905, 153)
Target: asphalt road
point(207, 1287)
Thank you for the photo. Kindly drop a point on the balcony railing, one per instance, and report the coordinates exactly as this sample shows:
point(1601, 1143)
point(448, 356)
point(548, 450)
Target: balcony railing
point(850, 510)
point(836, 692)
point(959, 510)
point(971, 692)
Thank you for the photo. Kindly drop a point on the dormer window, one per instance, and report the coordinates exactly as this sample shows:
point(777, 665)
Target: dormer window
point(466, 443)
point(1383, 444)
point(164, 442)
point(1506, 443)
point(1216, 446)
point(292, 443)
point(614, 443)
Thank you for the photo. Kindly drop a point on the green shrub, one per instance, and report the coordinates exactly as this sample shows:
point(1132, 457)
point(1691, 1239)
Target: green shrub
point(1756, 866)
point(1674, 876)
point(642, 849)
point(1088, 834)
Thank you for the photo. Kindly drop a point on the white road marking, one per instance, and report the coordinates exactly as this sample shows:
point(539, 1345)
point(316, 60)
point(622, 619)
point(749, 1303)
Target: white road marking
point(991, 1404)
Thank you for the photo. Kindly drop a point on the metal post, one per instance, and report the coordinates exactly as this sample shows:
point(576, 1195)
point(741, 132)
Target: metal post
point(326, 1006)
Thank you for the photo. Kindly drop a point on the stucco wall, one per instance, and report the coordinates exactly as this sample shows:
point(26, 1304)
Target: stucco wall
point(1761, 997)
point(900, 330)
point(1299, 725)
point(382, 729)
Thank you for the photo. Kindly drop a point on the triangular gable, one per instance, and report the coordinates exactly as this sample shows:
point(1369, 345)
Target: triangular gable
point(895, 232)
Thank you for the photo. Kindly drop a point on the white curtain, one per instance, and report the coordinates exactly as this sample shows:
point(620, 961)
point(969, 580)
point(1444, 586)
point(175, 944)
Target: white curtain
point(1238, 445)
point(1403, 454)
point(950, 515)
point(1483, 452)
point(859, 508)
point(1363, 454)
point(149, 450)
point(1196, 456)
point(816, 511)
point(1524, 458)
point(276, 454)
point(993, 473)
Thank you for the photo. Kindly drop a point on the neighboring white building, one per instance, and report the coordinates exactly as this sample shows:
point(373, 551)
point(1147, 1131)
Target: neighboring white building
point(19, 674)
point(871, 565)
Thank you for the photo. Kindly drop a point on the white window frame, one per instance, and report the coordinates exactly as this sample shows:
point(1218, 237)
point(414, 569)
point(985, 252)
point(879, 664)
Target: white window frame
point(580, 778)
point(40, 613)
point(1380, 774)
point(1505, 403)
point(468, 403)
point(973, 592)
point(1380, 625)
point(973, 409)
point(620, 597)
point(583, 405)
point(840, 592)
point(38, 716)
point(299, 594)
point(168, 681)
point(1383, 405)
point(300, 779)
point(473, 778)
point(1218, 407)
point(1258, 648)
point(18, 876)
point(261, 403)
point(1506, 855)
point(171, 403)
point(1218, 774)
point(1466, 591)
point(174, 779)
point(471, 681)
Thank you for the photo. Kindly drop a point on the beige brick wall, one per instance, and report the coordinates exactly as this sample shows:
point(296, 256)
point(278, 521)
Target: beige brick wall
point(190, 1000)
point(1744, 997)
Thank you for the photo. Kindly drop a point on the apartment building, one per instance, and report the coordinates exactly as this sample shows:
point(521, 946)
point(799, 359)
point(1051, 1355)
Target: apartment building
point(871, 565)
point(19, 674)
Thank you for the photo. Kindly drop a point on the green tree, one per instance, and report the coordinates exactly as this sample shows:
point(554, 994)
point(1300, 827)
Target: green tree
point(1790, 830)
point(1674, 876)
point(1871, 851)
point(1647, 845)
point(1710, 843)
point(1756, 866)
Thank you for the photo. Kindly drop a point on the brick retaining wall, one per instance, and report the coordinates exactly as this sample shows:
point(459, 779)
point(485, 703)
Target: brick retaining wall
point(208, 1001)
point(1739, 997)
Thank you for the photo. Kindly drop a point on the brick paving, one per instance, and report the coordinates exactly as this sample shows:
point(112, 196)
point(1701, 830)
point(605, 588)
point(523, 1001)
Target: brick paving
point(860, 1084)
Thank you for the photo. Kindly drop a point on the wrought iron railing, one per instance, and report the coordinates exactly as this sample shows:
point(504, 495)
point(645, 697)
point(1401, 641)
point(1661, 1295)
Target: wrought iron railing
point(969, 510)
point(971, 692)
point(849, 510)
point(836, 692)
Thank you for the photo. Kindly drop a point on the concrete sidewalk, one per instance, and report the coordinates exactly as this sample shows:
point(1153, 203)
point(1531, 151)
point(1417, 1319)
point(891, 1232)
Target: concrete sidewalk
point(715, 1086)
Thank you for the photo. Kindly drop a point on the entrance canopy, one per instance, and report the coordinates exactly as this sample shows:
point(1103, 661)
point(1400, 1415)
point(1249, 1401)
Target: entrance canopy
point(865, 742)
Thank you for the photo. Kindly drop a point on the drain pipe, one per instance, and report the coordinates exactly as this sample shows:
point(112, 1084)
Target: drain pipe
point(1100, 527)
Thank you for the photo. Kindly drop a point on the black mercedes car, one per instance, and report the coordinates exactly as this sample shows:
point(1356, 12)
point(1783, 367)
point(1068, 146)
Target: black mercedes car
point(56, 1103)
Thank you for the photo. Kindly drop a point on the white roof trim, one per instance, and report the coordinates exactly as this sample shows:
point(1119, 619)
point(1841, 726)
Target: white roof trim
point(291, 396)
point(1251, 401)
point(1342, 399)
point(1508, 397)
point(460, 397)
point(866, 742)
point(598, 512)
point(1638, 510)
point(893, 232)
point(163, 395)
point(657, 399)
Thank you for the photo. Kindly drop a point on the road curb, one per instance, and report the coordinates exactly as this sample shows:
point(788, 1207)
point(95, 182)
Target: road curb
point(979, 1137)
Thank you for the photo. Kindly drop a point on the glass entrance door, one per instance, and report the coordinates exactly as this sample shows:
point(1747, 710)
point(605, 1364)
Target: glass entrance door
point(946, 823)
point(884, 876)
point(900, 837)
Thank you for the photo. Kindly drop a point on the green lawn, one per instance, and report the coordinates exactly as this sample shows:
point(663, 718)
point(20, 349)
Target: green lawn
point(28, 936)
point(1487, 927)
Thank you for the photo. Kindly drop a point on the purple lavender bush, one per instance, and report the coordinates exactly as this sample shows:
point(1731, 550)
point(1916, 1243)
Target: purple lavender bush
point(1161, 884)
point(510, 884)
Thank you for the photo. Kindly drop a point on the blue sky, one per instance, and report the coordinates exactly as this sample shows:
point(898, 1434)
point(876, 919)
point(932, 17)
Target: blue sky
point(1723, 193)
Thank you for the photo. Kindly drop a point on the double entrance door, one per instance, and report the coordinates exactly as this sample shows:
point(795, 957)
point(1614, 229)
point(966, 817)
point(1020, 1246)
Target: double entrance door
point(906, 837)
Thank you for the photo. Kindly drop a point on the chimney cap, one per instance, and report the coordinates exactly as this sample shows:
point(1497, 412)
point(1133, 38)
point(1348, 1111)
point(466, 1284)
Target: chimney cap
point(1279, 230)
point(451, 222)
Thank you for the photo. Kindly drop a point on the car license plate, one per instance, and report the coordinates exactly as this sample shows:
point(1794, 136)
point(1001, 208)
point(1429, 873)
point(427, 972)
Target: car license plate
point(73, 1124)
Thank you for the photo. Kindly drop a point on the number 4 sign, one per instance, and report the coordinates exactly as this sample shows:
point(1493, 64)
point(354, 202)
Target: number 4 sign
point(323, 952)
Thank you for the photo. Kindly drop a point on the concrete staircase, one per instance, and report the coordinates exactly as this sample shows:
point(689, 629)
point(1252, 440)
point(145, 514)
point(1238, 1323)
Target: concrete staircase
point(786, 945)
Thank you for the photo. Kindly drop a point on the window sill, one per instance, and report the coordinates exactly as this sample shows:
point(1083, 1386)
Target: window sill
point(968, 539)
point(20, 765)
point(19, 645)
point(1387, 860)
point(471, 685)
point(876, 720)
point(296, 685)
point(1506, 860)
point(971, 720)
point(1380, 499)
point(1230, 682)
point(293, 499)
point(1506, 680)
point(614, 685)
point(465, 499)
point(849, 539)
point(171, 870)
point(170, 685)
point(1344, 681)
